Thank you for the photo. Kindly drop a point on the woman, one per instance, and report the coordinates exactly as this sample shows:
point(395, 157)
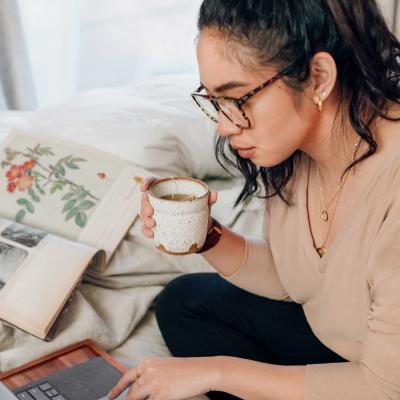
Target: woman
point(306, 93)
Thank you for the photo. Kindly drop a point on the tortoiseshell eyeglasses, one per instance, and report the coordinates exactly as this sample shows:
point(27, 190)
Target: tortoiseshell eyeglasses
point(232, 108)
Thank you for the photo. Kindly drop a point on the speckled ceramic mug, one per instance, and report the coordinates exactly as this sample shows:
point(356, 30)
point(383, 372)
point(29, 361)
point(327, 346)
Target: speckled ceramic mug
point(181, 221)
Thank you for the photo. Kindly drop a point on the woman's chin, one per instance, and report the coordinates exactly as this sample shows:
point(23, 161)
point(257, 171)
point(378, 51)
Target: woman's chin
point(266, 163)
point(262, 159)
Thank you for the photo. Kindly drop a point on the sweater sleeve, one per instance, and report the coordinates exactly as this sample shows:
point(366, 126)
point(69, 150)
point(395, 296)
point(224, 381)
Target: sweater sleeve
point(377, 374)
point(257, 273)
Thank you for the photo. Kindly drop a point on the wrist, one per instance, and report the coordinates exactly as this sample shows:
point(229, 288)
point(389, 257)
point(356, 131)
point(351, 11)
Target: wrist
point(216, 366)
point(210, 222)
point(213, 235)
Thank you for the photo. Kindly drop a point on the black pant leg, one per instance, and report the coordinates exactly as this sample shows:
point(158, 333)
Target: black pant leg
point(205, 315)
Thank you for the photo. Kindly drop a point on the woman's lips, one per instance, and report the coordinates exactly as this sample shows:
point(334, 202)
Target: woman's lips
point(246, 153)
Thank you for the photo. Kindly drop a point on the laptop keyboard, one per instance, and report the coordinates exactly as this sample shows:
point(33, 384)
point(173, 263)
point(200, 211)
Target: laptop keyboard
point(89, 380)
point(45, 391)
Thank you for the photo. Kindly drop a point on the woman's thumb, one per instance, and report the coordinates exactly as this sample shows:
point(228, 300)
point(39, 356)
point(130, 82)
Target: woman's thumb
point(212, 198)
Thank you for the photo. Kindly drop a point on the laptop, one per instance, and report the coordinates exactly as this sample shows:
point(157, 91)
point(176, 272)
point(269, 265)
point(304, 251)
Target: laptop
point(7, 394)
point(91, 377)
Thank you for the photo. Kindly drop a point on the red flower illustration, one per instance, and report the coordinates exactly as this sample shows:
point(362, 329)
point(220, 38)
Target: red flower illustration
point(25, 182)
point(11, 187)
point(29, 164)
point(19, 176)
point(14, 172)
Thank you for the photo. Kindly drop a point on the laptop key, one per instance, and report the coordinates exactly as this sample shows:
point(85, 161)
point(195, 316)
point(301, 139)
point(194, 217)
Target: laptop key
point(37, 394)
point(24, 396)
point(59, 398)
point(52, 392)
point(45, 386)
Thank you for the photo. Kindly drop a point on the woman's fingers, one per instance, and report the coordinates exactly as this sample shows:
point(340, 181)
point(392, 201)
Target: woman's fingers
point(146, 210)
point(149, 223)
point(212, 198)
point(140, 390)
point(144, 187)
point(146, 213)
point(147, 232)
point(128, 378)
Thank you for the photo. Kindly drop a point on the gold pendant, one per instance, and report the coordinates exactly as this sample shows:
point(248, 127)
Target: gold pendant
point(321, 251)
point(324, 215)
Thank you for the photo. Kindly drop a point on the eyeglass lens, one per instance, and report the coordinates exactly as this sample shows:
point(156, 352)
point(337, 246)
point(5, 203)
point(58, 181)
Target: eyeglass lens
point(227, 106)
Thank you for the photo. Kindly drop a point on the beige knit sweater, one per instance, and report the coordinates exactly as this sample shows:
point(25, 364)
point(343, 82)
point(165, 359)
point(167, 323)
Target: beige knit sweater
point(351, 296)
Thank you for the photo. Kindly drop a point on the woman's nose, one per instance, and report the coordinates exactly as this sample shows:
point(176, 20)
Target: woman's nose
point(226, 127)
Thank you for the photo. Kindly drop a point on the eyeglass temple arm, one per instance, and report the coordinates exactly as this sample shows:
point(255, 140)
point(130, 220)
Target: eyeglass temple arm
point(265, 84)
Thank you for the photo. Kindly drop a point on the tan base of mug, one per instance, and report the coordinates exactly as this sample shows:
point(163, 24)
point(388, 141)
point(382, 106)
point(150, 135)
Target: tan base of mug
point(193, 249)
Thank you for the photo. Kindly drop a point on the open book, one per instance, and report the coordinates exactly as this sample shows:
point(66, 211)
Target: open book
point(63, 207)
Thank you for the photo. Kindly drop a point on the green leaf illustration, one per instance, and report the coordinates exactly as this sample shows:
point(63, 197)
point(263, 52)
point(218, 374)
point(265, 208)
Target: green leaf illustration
point(39, 189)
point(45, 151)
point(77, 159)
point(20, 215)
point(72, 213)
point(30, 207)
point(68, 196)
point(69, 204)
point(38, 174)
point(72, 165)
point(34, 196)
point(22, 202)
point(82, 195)
point(58, 171)
point(81, 219)
point(56, 186)
point(85, 205)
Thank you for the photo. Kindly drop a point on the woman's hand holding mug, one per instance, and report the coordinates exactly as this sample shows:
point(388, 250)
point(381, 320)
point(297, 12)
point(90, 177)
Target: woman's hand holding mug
point(147, 211)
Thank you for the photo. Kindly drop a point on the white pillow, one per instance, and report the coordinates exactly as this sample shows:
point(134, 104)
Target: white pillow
point(11, 119)
point(154, 123)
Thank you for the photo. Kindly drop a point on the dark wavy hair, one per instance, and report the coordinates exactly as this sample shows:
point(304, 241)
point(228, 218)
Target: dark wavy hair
point(287, 34)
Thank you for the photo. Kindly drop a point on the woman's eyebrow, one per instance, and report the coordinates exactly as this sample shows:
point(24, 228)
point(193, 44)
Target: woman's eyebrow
point(227, 86)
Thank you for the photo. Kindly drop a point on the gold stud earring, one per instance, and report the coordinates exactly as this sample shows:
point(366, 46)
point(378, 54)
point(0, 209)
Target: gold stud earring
point(319, 104)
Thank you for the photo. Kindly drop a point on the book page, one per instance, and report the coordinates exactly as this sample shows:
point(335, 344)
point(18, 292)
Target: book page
point(38, 272)
point(68, 189)
point(113, 217)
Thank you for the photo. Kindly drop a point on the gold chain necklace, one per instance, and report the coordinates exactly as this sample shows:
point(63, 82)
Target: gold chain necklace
point(324, 212)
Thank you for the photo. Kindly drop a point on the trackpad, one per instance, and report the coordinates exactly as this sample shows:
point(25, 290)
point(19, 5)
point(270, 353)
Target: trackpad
point(90, 380)
point(122, 396)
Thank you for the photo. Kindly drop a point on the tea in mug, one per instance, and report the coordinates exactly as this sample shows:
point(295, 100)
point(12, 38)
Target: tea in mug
point(179, 197)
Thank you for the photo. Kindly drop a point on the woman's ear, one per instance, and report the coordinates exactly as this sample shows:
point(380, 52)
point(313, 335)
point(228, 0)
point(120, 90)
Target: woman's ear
point(323, 76)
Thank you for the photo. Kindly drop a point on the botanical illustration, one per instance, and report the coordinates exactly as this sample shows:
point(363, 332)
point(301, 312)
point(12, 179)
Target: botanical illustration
point(34, 178)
